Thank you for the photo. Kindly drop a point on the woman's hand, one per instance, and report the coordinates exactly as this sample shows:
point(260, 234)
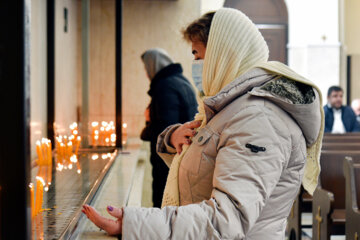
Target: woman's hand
point(183, 134)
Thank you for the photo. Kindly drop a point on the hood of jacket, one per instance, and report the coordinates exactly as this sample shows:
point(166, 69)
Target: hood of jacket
point(154, 60)
point(300, 101)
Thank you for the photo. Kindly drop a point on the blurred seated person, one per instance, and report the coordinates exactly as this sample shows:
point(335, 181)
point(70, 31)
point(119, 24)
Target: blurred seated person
point(339, 118)
point(355, 105)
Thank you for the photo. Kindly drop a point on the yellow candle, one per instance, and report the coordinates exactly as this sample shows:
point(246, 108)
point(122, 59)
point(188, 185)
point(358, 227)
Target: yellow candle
point(32, 200)
point(78, 140)
point(39, 152)
point(62, 153)
point(44, 152)
point(69, 150)
point(49, 152)
point(39, 194)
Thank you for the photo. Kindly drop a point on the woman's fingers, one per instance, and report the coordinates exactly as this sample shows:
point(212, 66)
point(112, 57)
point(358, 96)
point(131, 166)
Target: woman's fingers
point(193, 124)
point(187, 132)
point(181, 142)
point(181, 135)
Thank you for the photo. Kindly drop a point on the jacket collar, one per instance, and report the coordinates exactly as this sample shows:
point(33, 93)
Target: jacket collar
point(254, 78)
point(304, 114)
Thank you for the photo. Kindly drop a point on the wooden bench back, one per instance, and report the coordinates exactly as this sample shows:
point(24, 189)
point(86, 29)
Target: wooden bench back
point(352, 134)
point(332, 176)
point(341, 146)
point(357, 182)
point(341, 138)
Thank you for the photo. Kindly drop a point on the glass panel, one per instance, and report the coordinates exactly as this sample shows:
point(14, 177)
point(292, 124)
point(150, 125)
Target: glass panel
point(63, 178)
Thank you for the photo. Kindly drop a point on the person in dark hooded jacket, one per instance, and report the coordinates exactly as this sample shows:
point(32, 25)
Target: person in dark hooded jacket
point(172, 101)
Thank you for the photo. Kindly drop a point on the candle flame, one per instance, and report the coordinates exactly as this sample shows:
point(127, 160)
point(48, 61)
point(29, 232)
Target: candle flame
point(124, 125)
point(96, 132)
point(70, 166)
point(96, 137)
point(46, 188)
point(41, 180)
point(60, 167)
point(73, 158)
point(75, 132)
point(78, 171)
point(31, 185)
point(78, 138)
point(94, 156)
point(94, 124)
point(107, 140)
point(104, 156)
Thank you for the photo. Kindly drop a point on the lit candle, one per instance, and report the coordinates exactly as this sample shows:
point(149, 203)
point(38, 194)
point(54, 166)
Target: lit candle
point(49, 176)
point(39, 194)
point(32, 200)
point(49, 146)
point(69, 151)
point(62, 153)
point(78, 140)
point(39, 152)
point(124, 133)
point(93, 132)
point(101, 137)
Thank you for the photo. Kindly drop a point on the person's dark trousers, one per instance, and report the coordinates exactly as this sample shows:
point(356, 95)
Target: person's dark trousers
point(159, 173)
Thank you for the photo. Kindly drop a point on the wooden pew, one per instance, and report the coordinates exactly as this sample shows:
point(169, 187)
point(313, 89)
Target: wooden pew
point(328, 209)
point(341, 138)
point(303, 202)
point(352, 204)
point(354, 146)
point(352, 134)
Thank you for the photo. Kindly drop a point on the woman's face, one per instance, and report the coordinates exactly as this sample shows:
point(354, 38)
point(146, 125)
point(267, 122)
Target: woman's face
point(198, 50)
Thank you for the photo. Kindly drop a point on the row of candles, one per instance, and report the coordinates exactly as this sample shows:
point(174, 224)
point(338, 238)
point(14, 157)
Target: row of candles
point(66, 155)
point(103, 133)
point(67, 149)
point(44, 176)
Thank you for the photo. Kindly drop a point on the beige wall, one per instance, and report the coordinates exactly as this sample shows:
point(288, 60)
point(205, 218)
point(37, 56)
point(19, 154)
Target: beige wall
point(352, 29)
point(66, 70)
point(352, 42)
point(149, 24)
point(102, 61)
point(38, 78)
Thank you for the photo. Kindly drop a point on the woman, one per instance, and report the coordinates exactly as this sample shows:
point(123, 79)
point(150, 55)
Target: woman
point(260, 123)
point(178, 105)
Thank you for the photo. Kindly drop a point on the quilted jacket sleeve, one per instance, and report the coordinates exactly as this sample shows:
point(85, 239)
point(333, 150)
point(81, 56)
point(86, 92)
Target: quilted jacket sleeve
point(164, 148)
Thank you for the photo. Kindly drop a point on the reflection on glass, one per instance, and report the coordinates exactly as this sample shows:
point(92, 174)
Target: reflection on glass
point(53, 210)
